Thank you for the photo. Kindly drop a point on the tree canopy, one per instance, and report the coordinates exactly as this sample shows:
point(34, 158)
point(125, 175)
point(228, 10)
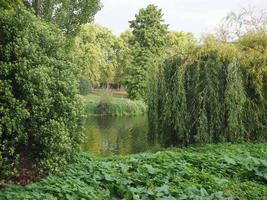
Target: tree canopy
point(148, 42)
point(211, 94)
point(66, 14)
point(95, 53)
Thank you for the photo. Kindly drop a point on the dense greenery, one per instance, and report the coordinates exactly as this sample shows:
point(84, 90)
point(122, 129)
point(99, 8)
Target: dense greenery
point(202, 95)
point(114, 106)
point(104, 59)
point(208, 172)
point(179, 42)
point(214, 91)
point(39, 106)
point(253, 60)
point(148, 41)
point(95, 54)
point(66, 14)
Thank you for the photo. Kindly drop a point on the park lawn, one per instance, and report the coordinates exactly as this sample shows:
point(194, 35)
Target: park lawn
point(223, 171)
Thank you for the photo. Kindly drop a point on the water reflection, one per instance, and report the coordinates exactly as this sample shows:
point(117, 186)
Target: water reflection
point(106, 135)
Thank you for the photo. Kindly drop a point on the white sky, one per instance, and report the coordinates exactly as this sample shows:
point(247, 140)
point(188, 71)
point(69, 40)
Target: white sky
point(196, 16)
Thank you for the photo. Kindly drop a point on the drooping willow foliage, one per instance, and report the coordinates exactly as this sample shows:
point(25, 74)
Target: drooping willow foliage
point(253, 59)
point(201, 97)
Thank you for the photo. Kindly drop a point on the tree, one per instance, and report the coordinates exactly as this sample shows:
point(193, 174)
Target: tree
point(253, 57)
point(68, 15)
point(148, 42)
point(39, 106)
point(199, 97)
point(124, 57)
point(248, 30)
point(179, 42)
point(95, 53)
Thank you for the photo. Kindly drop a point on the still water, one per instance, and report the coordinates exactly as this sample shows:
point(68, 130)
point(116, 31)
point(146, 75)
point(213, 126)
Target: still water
point(107, 135)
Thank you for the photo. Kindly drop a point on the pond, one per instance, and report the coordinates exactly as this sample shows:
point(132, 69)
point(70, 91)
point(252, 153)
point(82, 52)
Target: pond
point(107, 135)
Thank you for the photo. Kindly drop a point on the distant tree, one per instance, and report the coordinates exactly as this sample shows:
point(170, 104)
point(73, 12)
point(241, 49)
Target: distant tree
point(94, 53)
point(179, 42)
point(124, 57)
point(66, 14)
point(148, 42)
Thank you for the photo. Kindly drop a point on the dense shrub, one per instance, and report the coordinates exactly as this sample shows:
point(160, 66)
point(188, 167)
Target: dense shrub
point(201, 97)
point(39, 106)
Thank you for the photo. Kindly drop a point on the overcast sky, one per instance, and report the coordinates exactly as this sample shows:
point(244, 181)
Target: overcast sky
point(196, 16)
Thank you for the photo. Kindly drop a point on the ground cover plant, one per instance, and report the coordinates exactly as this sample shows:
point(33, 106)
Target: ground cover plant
point(223, 171)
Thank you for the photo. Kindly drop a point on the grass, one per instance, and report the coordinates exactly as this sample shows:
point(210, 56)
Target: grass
point(105, 104)
point(221, 171)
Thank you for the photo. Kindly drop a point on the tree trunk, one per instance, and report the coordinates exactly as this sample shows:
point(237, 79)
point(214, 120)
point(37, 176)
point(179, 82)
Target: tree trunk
point(37, 6)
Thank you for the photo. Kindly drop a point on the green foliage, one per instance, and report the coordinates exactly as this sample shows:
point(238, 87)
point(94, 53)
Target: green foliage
point(108, 105)
point(95, 53)
point(248, 29)
point(39, 106)
point(253, 58)
point(201, 97)
point(209, 172)
point(9, 4)
point(179, 42)
point(66, 14)
point(124, 57)
point(148, 42)
point(85, 86)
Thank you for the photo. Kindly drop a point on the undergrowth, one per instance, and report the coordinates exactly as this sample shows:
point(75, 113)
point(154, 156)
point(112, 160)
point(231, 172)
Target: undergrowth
point(208, 172)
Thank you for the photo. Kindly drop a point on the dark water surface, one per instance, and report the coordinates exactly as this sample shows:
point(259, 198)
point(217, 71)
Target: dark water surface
point(107, 135)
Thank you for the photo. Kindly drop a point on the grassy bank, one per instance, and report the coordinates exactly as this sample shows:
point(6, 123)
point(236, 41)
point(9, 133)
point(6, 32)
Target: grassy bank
point(209, 172)
point(108, 105)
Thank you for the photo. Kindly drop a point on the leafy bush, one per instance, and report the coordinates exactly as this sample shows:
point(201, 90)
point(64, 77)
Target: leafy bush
point(209, 172)
point(39, 106)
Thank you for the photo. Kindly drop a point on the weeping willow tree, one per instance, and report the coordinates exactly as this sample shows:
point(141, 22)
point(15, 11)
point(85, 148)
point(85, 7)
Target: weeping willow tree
point(253, 58)
point(198, 97)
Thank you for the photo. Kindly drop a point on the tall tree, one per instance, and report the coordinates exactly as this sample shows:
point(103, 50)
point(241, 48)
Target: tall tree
point(148, 42)
point(67, 14)
point(199, 97)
